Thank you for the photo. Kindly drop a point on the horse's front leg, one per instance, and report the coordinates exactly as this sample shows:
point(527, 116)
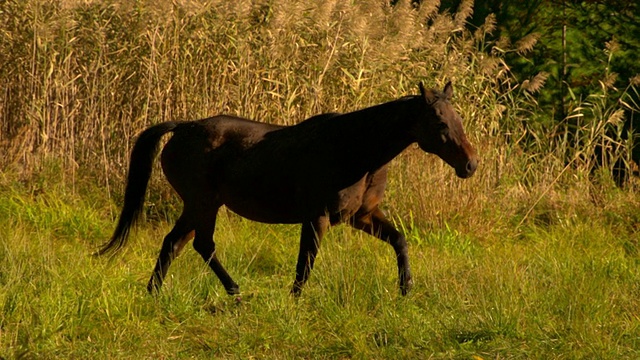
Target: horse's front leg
point(310, 237)
point(377, 225)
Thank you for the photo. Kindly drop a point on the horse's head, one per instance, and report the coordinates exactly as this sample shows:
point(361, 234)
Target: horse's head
point(439, 131)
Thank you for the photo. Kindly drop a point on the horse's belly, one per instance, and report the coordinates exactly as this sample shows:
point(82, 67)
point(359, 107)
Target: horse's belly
point(292, 204)
point(272, 213)
point(268, 204)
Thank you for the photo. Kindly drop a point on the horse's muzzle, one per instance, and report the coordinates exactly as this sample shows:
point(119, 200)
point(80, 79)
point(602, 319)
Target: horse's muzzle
point(468, 170)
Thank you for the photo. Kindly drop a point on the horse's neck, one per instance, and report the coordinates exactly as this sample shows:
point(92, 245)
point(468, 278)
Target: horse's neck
point(380, 133)
point(387, 126)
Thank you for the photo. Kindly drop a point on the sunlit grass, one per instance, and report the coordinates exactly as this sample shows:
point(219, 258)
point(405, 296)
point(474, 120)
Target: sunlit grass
point(568, 288)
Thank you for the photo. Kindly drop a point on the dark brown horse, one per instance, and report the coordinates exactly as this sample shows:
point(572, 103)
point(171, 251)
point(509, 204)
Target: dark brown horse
point(329, 169)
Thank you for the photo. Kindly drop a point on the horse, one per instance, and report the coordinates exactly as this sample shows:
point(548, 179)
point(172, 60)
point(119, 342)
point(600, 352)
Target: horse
point(329, 169)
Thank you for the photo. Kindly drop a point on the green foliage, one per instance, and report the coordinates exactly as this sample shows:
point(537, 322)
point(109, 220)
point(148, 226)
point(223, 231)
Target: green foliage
point(580, 43)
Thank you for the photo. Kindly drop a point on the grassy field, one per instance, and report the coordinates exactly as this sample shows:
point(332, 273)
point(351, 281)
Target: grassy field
point(563, 286)
point(535, 257)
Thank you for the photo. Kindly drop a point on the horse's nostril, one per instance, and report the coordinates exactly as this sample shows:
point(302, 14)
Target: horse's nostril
point(468, 169)
point(472, 165)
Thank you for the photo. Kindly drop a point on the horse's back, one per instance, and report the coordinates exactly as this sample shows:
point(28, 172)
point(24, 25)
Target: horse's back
point(219, 130)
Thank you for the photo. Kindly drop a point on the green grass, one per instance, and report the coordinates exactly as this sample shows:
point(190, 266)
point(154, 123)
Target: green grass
point(565, 290)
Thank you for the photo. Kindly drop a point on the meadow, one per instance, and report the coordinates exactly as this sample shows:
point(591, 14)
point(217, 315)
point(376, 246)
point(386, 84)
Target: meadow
point(535, 257)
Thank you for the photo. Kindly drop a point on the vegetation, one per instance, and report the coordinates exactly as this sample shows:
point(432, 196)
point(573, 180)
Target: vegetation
point(582, 45)
point(536, 256)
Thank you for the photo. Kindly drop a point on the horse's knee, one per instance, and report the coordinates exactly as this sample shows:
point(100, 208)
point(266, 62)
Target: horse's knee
point(206, 248)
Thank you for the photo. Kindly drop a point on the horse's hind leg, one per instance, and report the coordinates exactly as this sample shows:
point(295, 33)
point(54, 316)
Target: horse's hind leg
point(171, 247)
point(310, 237)
point(377, 225)
point(205, 246)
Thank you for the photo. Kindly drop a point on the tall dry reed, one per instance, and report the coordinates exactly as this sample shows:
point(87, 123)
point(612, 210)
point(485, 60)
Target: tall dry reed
point(82, 78)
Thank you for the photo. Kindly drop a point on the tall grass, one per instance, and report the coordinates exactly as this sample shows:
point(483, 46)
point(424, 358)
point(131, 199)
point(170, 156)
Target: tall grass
point(98, 72)
point(82, 78)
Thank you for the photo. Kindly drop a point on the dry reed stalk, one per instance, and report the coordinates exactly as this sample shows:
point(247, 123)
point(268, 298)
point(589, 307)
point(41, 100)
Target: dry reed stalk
point(536, 83)
point(527, 43)
point(89, 76)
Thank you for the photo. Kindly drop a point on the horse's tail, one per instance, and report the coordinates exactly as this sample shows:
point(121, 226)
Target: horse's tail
point(142, 156)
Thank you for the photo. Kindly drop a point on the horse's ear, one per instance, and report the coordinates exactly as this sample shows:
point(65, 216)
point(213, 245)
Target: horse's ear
point(448, 90)
point(428, 95)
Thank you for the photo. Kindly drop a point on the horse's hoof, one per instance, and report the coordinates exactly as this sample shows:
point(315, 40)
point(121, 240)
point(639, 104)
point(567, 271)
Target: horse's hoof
point(405, 288)
point(233, 290)
point(296, 290)
point(153, 288)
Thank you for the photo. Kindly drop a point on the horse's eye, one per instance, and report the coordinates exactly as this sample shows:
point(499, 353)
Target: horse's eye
point(444, 132)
